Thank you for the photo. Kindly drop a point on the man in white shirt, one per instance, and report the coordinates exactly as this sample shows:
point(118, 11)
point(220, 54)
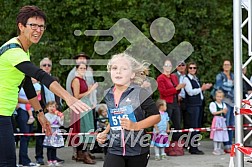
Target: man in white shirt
point(181, 73)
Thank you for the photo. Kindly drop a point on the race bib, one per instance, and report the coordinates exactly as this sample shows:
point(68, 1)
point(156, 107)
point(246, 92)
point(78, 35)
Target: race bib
point(116, 114)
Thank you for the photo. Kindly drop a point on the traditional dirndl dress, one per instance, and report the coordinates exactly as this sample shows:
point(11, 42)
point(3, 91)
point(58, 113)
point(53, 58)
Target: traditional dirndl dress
point(218, 134)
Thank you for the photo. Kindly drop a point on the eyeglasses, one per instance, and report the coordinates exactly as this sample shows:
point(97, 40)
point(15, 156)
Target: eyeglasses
point(192, 68)
point(181, 65)
point(35, 26)
point(167, 65)
point(48, 65)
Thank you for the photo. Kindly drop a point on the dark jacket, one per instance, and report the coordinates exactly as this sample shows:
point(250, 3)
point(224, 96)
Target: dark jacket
point(194, 100)
point(143, 106)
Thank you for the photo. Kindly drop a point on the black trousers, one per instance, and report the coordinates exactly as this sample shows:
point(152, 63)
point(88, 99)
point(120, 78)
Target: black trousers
point(7, 140)
point(51, 154)
point(195, 122)
point(175, 117)
point(185, 116)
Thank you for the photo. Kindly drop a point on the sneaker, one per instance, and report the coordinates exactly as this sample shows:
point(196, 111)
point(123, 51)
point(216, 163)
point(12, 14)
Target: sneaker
point(157, 158)
point(60, 161)
point(163, 157)
point(40, 161)
point(50, 163)
point(31, 164)
point(222, 151)
point(30, 120)
point(55, 163)
point(216, 152)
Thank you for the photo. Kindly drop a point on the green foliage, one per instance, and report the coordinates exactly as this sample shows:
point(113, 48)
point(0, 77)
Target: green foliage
point(207, 25)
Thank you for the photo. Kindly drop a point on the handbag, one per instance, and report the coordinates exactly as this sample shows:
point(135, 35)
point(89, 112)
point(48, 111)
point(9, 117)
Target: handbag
point(175, 149)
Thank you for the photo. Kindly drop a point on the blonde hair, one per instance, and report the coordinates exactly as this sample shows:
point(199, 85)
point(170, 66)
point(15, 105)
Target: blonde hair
point(140, 69)
point(220, 92)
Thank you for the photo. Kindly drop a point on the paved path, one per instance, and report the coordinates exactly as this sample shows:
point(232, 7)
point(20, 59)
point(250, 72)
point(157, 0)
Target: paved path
point(188, 160)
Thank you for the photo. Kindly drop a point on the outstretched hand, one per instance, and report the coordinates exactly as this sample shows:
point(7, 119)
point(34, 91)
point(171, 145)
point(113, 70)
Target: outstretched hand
point(77, 106)
point(45, 124)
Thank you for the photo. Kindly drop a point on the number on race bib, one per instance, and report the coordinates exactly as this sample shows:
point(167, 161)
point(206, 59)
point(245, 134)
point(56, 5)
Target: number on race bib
point(116, 114)
point(115, 121)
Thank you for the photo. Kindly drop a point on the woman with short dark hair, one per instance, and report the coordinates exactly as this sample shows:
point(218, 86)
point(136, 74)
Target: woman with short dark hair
point(16, 69)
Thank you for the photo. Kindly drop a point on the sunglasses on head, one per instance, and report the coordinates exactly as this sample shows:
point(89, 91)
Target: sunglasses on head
point(48, 65)
point(192, 68)
point(181, 65)
point(167, 65)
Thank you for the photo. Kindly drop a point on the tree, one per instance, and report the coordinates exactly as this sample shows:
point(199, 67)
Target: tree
point(207, 25)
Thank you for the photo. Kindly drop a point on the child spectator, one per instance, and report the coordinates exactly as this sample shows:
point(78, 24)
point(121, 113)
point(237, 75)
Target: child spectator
point(218, 109)
point(28, 106)
point(55, 141)
point(160, 136)
point(103, 116)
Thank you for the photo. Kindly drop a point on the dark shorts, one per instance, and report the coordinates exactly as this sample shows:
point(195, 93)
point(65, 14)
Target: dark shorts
point(112, 160)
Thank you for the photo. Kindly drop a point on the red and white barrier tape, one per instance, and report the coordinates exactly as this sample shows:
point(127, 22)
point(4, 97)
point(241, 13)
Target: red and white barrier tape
point(245, 150)
point(63, 134)
point(242, 111)
point(247, 127)
point(246, 110)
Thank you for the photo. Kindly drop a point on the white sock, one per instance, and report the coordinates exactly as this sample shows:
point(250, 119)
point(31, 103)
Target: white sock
point(156, 151)
point(215, 143)
point(162, 151)
point(219, 145)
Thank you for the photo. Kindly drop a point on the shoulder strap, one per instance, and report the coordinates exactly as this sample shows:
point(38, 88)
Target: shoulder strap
point(216, 104)
point(222, 104)
point(8, 46)
point(189, 78)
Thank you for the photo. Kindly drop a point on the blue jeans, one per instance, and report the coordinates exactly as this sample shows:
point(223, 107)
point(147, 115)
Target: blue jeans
point(39, 142)
point(230, 122)
point(7, 143)
point(22, 119)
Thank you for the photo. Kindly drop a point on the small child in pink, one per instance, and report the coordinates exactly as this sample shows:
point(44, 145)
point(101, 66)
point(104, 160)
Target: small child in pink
point(218, 109)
